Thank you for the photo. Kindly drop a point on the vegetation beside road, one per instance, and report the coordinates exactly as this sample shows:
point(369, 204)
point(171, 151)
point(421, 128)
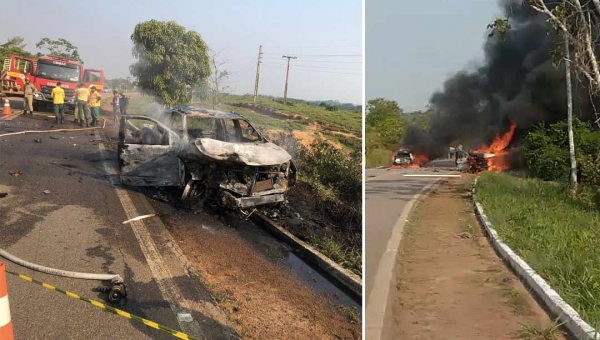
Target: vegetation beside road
point(302, 112)
point(385, 126)
point(557, 235)
point(554, 231)
point(329, 194)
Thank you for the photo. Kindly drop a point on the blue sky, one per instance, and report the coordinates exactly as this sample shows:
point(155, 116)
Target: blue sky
point(325, 35)
point(412, 47)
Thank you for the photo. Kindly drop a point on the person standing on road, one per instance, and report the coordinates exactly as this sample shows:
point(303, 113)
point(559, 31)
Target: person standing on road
point(75, 110)
point(95, 99)
point(58, 97)
point(83, 95)
point(29, 91)
point(124, 102)
point(115, 105)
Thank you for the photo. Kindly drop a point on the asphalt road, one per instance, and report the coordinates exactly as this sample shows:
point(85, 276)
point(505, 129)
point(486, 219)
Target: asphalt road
point(388, 193)
point(78, 226)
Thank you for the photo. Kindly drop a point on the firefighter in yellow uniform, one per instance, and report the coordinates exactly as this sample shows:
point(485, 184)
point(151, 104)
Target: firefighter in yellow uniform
point(58, 97)
point(95, 99)
point(83, 95)
point(29, 91)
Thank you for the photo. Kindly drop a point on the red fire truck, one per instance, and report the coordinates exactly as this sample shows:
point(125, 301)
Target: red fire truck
point(44, 72)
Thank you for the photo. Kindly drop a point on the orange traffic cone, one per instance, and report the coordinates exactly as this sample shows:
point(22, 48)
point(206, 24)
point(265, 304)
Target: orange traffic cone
point(6, 110)
point(6, 329)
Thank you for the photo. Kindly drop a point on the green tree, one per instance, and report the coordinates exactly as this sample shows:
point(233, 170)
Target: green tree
point(385, 117)
point(14, 45)
point(120, 83)
point(59, 47)
point(170, 60)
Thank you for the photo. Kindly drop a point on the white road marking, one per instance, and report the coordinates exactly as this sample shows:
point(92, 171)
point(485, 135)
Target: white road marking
point(428, 175)
point(168, 289)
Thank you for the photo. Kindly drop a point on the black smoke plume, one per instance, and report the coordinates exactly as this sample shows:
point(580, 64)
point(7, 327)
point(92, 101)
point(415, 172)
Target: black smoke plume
point(520, 81)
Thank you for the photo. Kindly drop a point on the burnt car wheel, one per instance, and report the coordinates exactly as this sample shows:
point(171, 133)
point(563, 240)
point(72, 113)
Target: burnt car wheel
point(193, 189)
point(189, 189)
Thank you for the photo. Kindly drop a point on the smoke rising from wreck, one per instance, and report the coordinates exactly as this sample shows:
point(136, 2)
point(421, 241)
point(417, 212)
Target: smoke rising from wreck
point(518, 82)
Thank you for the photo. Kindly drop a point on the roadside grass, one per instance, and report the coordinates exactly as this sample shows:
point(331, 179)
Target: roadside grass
point(555, 234)
point(266, 122)
point(329, 192)
point(515, 300)
point(378, 157)
point(537, 332)
point(341, 120)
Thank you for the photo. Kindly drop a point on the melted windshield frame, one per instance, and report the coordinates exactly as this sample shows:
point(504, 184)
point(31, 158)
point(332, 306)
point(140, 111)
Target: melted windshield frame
point(224, 129)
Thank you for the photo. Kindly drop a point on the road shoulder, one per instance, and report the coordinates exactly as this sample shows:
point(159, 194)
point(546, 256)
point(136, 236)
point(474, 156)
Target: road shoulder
point(451, 284)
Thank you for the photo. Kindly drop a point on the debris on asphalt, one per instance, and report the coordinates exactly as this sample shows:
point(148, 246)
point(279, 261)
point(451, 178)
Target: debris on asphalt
point(16, 173)
point(39, 140)
point(46, 191)
point(52, 137)
point(464, 235)
point(160, 197)
point(3, 194)
point(184, 317)
point(74, 144)
point(139, 218)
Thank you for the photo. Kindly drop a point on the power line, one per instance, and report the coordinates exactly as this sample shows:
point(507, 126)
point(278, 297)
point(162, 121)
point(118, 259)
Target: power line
point(322, 46)
point(328, 68)
point(324, 55)
point(302, 69)
point(245, 67)
point(323, 61)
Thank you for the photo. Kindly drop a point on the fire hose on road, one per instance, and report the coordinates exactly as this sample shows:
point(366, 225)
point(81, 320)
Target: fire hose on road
point(116, 292)
point(57, 130)
point(117, 289)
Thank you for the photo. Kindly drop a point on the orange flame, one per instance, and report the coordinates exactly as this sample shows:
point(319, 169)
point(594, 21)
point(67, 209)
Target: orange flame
point(499, 143)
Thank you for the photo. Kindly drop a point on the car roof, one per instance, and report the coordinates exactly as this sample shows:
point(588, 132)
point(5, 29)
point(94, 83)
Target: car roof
point(192, 111)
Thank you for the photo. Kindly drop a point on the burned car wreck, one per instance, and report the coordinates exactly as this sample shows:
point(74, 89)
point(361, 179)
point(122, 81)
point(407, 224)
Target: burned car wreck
point(403, 157)
point(212, 155)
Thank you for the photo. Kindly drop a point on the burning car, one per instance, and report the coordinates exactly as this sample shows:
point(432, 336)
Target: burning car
point(209, 154)
point(403, 157)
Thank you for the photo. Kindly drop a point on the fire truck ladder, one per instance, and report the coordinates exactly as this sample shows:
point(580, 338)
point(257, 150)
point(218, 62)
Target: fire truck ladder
point(6, 65)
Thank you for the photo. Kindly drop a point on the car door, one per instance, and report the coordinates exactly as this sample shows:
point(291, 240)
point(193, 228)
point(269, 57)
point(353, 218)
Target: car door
point(148, 153)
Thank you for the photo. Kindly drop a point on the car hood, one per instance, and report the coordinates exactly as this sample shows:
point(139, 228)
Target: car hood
point(253, 154)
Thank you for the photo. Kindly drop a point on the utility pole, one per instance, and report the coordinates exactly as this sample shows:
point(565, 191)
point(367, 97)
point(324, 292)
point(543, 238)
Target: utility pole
point(257, 73)
point(573, 174)
point(287, 76)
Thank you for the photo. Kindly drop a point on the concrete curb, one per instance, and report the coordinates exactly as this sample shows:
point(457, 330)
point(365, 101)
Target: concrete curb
point(376, 310)
point(349, 280)
point(571, 320)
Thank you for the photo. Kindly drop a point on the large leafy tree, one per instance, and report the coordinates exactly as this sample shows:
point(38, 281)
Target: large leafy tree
point(385, 117)
point(14, 45)
point(59, 47)
point(170, 60)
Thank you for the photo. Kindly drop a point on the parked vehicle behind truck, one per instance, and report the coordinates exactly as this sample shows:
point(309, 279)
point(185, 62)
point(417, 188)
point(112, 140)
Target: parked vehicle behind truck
point(44, 72)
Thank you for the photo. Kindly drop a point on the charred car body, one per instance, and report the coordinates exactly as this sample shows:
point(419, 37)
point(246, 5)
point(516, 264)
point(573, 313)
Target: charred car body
point(403, 157)
point(209, 154)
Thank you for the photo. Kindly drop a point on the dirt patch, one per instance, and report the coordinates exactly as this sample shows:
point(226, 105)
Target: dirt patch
point(304, 137)
point(262, 300)
point(451, 283)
